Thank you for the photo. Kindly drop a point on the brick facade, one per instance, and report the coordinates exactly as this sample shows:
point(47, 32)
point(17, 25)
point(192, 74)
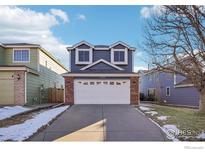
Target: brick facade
point(69, 90)
point(19, 87)
point(134, 90)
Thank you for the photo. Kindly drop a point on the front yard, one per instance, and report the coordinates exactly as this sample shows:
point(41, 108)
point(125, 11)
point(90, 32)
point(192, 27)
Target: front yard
point(24, 126)
point(178, 123)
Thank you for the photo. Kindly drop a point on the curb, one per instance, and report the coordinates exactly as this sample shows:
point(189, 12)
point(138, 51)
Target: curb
point(164, 134)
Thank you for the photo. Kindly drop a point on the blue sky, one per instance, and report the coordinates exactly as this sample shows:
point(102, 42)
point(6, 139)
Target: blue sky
point(95, 24)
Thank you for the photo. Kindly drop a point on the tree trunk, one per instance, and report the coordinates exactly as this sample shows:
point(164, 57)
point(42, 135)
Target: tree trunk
point(202, 102)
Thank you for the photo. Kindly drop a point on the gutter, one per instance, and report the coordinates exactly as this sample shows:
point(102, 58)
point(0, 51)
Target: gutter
point(100, 75)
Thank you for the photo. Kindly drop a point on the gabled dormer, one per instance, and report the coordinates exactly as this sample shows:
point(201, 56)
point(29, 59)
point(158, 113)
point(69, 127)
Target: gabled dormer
point(85, 57)
point(84, 53)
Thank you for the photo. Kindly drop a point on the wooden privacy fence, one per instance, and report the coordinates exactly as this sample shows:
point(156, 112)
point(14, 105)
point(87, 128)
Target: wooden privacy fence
point(56, 95)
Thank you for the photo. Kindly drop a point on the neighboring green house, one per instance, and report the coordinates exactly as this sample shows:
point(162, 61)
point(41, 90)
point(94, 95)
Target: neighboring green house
point(26, 73)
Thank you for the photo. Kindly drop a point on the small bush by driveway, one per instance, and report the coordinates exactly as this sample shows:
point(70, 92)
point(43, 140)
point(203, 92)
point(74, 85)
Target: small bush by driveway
point(178, 123)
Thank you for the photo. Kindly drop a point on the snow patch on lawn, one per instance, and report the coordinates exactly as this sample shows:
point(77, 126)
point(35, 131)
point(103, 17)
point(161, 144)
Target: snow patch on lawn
point(24, 130)
point(143, 108)
point(171, 131)
point(162, 118)
point(9, 111)
point(152, 113)
point(201, 136)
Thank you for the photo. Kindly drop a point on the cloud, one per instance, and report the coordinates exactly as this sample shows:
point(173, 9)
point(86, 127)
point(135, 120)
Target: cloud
point(147, 12)
point(138, 54)
point(20, 24)
point(81, 17)
point(137, 68)
point(61, 14)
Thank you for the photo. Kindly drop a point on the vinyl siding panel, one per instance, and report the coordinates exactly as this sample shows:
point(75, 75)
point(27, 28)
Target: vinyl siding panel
point(2, 50)
point(179, 96)
point(101, 68)
point(46, 61)
point(106, 55)
point(183, 96)
point(46, 79)
point(33, 58)
point(33, 88)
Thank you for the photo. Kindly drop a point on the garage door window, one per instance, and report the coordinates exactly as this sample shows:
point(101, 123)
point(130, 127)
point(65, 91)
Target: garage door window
point(85, 83)
point(21, 55)
point(92, 83)
point(112, 83)
point(118, 83)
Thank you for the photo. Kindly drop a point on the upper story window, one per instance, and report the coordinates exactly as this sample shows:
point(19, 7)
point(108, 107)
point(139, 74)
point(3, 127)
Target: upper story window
point(83, 56)
point(21, 55)
point(119, 56)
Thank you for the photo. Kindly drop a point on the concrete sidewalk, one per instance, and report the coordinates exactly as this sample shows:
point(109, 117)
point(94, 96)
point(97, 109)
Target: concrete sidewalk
point(101, 123)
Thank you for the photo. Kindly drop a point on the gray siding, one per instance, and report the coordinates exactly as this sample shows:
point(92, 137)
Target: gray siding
point(48, 79)
point(101, 55)
point(2, 56)
point(101, 68)
point(179, 96)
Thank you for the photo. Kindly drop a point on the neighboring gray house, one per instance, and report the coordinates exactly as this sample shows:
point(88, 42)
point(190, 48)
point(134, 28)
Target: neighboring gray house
point(168, 88)
point(101, 74)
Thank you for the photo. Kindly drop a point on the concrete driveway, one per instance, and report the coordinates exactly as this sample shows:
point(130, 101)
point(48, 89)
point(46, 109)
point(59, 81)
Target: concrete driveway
point(101, 123)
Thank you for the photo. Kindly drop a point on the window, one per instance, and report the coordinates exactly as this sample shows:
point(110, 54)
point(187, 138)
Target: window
point(151, 92)
point(21, 55)
point(83, 56)
point(119, 56)
point(167, 91)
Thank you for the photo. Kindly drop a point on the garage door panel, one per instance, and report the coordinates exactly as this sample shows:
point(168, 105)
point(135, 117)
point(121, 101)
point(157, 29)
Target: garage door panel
point(102, 91)
point(6, 88)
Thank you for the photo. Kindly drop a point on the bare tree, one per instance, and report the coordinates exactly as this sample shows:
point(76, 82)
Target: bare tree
point(175, 40)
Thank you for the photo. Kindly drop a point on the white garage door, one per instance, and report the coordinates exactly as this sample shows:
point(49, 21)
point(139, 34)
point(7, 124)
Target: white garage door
point(101, 91)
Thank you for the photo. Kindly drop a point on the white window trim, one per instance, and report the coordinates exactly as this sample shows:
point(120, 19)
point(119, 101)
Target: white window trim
point(125, 62)
point(22, 61)
point(25, 86)
point(169, 91)
point(184, 85)
point(175, 79)
point(84, 62)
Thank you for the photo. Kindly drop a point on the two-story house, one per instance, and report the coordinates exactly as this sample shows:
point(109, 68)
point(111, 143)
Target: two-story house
point(168, 88)
point(26, 73)
point(101, 74)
